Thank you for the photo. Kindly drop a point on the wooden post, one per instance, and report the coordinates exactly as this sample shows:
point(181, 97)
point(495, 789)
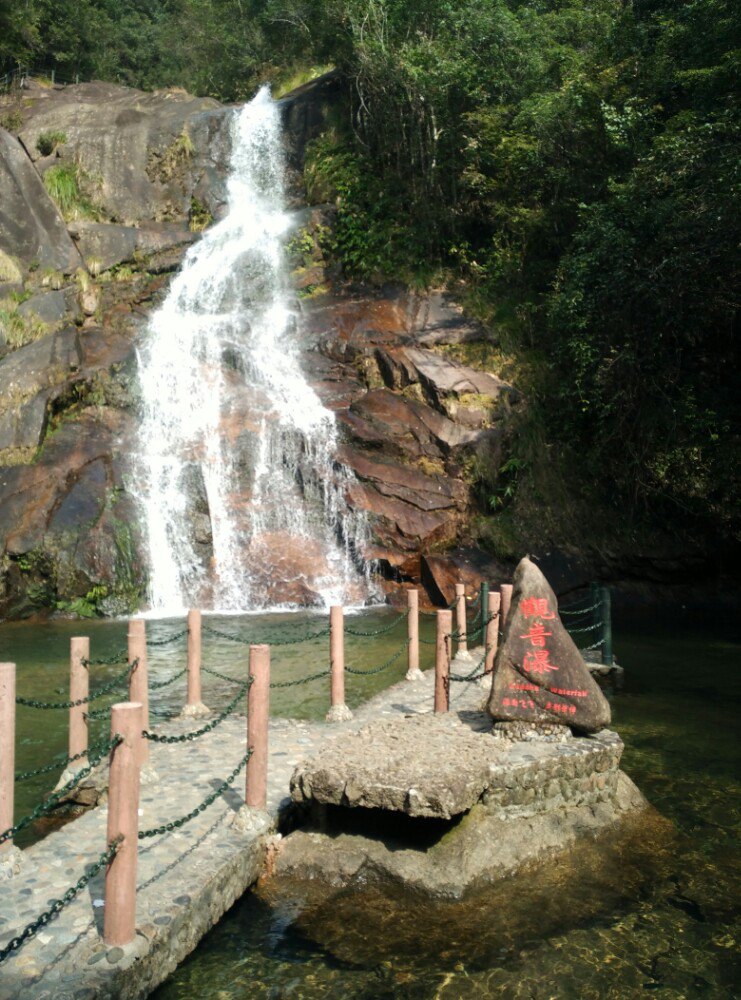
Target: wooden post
point(119, 917)
point(492, 630)
point(460, 617)
point(413, 671)
point(194, 705)
point(506, 593)
point(606, 627)
point(442, 660)
point(79, 687)
point(338, 710)
point(258, 717)
point(7, 749)
point(139, 679)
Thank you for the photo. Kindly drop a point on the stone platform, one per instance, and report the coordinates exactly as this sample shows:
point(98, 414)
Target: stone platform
point(188, 877)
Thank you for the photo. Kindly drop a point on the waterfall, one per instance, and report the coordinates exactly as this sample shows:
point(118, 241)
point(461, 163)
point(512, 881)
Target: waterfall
point(244, 500)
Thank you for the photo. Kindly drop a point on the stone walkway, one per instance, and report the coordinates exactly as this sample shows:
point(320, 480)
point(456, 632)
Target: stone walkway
point(189, 877)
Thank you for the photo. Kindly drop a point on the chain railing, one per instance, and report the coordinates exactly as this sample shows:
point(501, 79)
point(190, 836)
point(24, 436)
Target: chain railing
point(379, 631)
point(116, 683)
point(53, 800)
point(187, 737)
point(266, 640)
point(175, 824)
point(57, 905)
point(384, 666)
point(169, 639)
point(61, 761)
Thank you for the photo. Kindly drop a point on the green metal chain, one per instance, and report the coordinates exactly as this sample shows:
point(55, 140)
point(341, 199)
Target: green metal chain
point(117, 682)
point(108, 661)
point(301, 680)
point(185, 737)
point(166, 642)
point(45, 807)
point(60, 761)
point(166, 716)
point(170, 680)
point(588, 628)
point(571, 609)
point(58, 905)
point(384, 666)
point(223, 677)
point(175, 824)
point(595, 645)
point(379, 631)
point(473, 676)
point(470, 635)
point(265, 641)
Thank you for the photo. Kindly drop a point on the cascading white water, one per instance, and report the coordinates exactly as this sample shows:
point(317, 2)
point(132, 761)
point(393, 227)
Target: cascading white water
point(239, 478)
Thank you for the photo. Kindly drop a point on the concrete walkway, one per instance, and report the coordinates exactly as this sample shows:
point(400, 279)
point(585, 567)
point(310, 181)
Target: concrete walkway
point(187, 878)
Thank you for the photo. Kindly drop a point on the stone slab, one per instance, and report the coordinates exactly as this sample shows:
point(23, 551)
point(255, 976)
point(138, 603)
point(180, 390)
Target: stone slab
point(426, 765)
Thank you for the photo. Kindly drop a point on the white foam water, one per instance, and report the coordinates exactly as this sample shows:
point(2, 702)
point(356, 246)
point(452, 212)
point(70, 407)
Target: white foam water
point(232, 433)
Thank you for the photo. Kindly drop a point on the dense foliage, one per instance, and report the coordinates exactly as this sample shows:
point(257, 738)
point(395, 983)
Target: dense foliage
point(574, 162)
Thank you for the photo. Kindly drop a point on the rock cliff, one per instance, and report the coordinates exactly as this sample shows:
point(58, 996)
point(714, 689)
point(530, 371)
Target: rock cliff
point(102, 188)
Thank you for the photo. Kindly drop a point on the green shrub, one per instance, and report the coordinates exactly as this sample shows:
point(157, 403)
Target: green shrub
point(66, 185)
point(47, 142)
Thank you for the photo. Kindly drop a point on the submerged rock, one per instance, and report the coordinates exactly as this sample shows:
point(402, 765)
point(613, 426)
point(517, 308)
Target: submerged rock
point(439, 806)
point(539, 674)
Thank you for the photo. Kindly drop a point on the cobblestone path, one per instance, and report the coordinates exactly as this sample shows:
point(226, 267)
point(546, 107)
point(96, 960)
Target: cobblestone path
point(187, 878)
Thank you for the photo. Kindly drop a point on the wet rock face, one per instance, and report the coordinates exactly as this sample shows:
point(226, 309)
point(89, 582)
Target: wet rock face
point(539, 674)
point(31, 230)
point(150, 153)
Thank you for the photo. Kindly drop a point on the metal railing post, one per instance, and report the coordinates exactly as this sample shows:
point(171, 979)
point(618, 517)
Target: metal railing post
point(460, 617)
point(606, 627)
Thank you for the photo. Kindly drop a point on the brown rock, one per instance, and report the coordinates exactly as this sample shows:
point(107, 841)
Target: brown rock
point(539, 674)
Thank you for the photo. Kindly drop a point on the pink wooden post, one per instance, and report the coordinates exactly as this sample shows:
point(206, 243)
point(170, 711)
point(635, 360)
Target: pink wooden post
point(139, 679)
point(506, 593)
point(413, 671)
point(79, 678)
point(119, 917)
point(492, 630)
point(194, 705)
point(460, 616)
point(7, 749)
point(258, 716)
point(338, 710)
point(442, 660)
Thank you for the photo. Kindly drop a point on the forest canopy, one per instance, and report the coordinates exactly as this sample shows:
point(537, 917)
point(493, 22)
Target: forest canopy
point(573, 164)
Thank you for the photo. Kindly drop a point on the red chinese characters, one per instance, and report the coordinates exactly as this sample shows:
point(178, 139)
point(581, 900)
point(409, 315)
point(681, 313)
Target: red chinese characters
point(537, 634)
point(518, 703)
point(536, 662)
point(555, 706)
point(536, 607)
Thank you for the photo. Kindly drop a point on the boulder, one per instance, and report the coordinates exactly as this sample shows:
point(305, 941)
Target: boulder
point(386, 765)
point(408, 426)
point(49, 307)
point(150, 153)
point(472, 567)
point(108, 245)
point(31, 229)
point(539, 674)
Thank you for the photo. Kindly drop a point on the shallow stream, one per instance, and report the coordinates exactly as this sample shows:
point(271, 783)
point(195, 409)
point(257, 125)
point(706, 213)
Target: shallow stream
point(652, 915)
